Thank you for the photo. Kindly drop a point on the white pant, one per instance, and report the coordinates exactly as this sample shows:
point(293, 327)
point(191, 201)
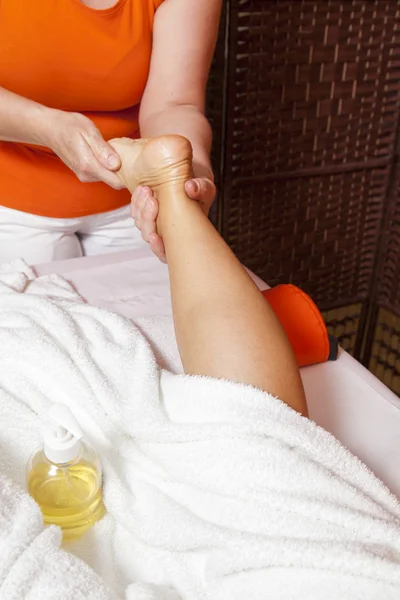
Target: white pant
point(42, 239)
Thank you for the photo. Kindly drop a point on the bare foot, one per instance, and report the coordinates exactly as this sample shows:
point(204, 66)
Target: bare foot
point(161, 161)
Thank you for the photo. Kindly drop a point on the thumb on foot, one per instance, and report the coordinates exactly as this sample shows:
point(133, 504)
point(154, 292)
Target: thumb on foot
point(104, 153)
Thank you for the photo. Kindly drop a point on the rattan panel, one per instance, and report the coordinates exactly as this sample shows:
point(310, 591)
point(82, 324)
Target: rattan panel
point(312, 84)
point(320, 233)
point(385, 355)
point(382, 351)
point(389, 268)
point(306, 153)
point(343, 324)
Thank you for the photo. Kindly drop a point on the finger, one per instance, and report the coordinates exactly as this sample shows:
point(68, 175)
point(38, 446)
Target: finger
point(138, 201)
point(157, 246)
point(144, 194)
point(90, 170)
point(103, 152)
point(108, 177)
point(149, 216)
point(134, 202)
point(201, 189)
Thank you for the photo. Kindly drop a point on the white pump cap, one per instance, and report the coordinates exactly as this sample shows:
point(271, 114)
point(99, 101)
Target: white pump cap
point(62, 441)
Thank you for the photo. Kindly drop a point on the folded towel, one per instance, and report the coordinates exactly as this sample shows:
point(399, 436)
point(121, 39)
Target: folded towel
point(214, 490)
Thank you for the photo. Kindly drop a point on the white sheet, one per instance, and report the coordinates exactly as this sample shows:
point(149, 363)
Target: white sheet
point(343, 396)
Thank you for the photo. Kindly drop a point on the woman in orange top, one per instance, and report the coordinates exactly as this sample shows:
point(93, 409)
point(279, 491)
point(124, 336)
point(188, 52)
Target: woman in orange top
point(74, 73)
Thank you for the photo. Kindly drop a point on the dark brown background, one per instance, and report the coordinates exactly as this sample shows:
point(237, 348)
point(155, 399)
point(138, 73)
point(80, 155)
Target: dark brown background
point(304, 99)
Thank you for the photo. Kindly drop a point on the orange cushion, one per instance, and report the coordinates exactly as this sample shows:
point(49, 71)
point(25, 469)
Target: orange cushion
point(302, 322)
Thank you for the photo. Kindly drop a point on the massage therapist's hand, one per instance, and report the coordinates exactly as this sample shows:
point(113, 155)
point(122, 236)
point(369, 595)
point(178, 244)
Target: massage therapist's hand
point(77, 141)
point(145, 210)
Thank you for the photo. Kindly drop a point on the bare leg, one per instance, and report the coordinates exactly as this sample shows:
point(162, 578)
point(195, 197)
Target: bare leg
point(223, 325)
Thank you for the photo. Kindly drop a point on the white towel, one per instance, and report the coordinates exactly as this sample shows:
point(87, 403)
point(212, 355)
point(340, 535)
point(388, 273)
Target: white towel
point(32, 566)
point(214, 490)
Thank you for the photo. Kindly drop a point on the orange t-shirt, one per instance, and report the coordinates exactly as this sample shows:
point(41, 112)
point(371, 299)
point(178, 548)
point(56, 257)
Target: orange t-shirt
point(65, 55)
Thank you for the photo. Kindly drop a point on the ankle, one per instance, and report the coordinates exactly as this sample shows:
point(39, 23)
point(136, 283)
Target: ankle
point(176, 210)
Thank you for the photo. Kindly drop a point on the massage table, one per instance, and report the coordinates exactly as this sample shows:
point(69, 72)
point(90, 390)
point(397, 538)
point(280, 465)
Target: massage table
point(343, 397)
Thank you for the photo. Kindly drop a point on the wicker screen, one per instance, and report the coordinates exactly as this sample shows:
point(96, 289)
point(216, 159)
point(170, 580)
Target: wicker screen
point(382, 347)
point(305, 101)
